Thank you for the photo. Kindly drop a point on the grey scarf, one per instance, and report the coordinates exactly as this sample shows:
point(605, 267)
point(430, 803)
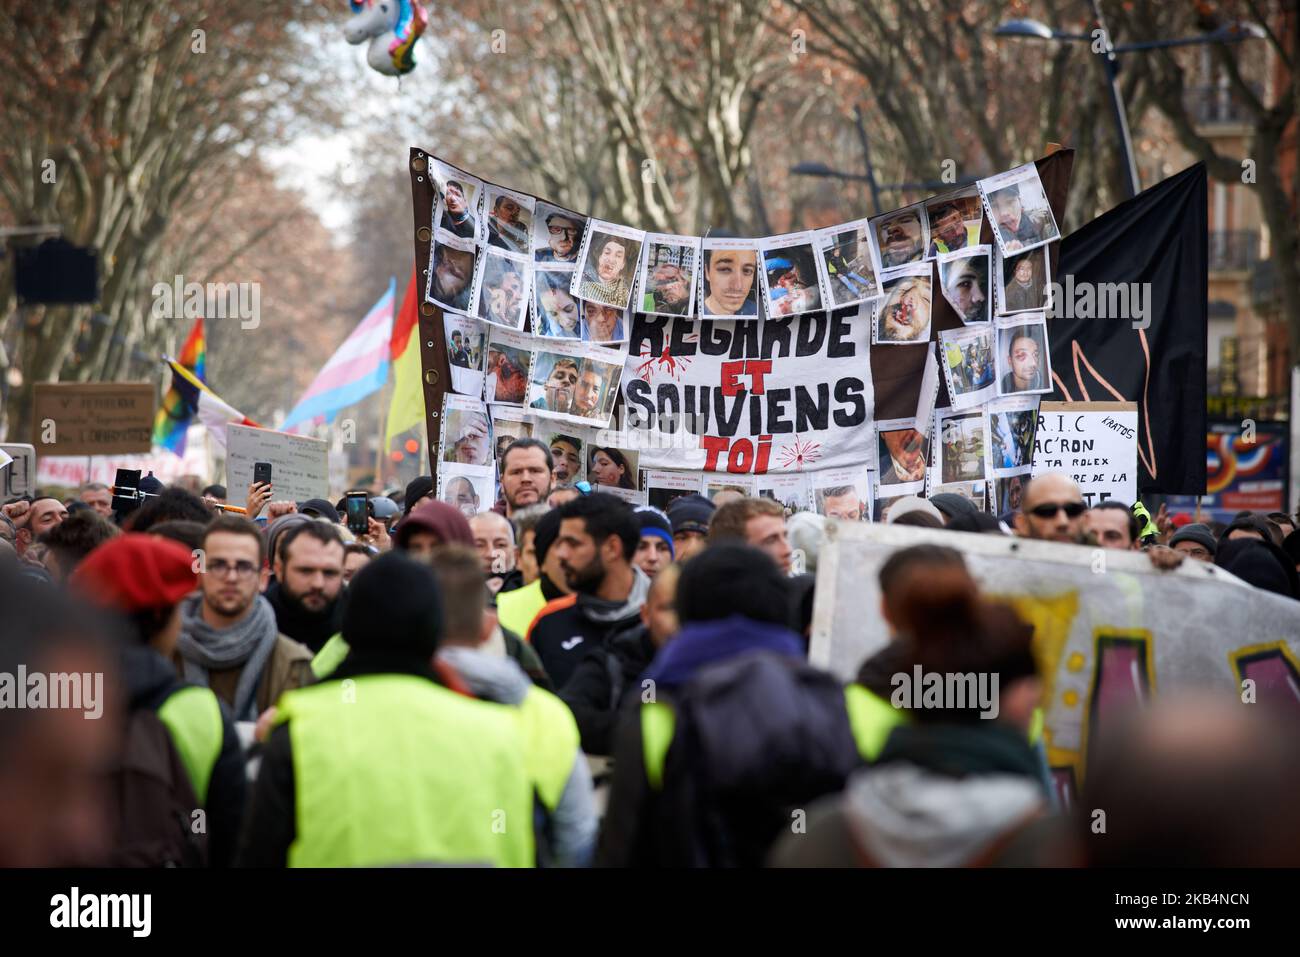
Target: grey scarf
point(248, 642)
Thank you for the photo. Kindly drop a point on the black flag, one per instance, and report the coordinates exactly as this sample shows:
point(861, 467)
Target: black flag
point(1155, 247)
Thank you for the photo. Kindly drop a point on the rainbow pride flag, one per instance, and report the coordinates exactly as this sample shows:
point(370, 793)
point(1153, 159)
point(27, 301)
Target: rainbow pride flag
point(179, 403)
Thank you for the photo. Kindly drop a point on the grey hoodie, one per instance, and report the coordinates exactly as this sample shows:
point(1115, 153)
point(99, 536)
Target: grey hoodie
point(906, 816)
point(573, 821)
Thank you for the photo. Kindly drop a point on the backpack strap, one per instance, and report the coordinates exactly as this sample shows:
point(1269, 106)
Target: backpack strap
point(658, 724)
point(193, 719)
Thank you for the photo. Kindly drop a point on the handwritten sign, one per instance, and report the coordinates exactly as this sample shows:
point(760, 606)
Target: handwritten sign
point(1094, 443)
point(93, 418)
point(17, 470)
point(299, 463)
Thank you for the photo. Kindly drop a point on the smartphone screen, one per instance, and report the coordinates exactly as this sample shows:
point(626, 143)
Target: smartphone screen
point(358, 512)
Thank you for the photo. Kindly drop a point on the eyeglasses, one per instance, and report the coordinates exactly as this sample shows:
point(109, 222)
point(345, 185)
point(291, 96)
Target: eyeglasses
point(570, 231)
point(221, 568)
point(1049, 509)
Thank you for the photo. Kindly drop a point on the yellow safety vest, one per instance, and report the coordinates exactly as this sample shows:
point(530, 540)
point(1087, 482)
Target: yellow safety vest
point(393, 769)
point(192, 716)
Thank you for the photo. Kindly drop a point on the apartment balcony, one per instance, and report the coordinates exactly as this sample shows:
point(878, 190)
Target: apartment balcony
point(1233, 250)
point(1215, 105)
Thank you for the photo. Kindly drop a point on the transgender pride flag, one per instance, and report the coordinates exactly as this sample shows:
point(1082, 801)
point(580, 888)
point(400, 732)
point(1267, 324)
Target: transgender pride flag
point(357, 368)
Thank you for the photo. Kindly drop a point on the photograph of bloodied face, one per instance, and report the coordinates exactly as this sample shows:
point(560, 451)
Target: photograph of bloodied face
point(842, 502)
point(556, 378)
point(792, 286)
point(557, 235)
point(566, 459)
point(903, 454)
point(849, 268)
point(901, 239)
point(507, 373)
point(457, 205)
point(669, 276)
point(1024, 281)
point(557, 312)
point(509, 221)
point(730, 282)
point(904, 315)
point(611, 264)
point(602, 323)
point(1022, 359)
point(611, 467)
point(453, 272)
point(504, 283)
point(467, 438)
point(965, 285)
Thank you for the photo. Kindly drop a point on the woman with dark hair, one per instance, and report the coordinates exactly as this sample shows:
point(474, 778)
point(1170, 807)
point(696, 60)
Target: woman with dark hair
point(610, 467)
point(957, 781)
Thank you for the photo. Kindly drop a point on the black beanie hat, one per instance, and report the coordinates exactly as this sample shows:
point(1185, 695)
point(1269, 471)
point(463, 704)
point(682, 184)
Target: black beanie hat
point(545, 532)
point(416, 489)
point(393, 606)
point(732, 579)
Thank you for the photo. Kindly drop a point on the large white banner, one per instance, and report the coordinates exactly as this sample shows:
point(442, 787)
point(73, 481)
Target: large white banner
point(1109, 630)
point(782, 395)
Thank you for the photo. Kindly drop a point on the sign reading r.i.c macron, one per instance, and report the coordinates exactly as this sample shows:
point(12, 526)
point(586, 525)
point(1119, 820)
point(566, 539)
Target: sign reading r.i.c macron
point(1094, 443)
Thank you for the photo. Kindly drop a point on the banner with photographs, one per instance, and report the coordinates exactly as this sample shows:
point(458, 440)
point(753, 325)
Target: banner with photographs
point(752, 355)
point(781, 395)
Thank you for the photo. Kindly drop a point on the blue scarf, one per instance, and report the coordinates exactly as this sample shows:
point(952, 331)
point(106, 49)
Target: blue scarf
point(703, 643)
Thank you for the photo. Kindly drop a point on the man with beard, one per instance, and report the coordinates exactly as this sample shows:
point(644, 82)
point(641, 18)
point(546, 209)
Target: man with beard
point(505, 228)
point(965, 286)
point(456, 217)
point(557, 391)
point(229, 640)
point(308, 568)
point(948, 230)
point(901, 240)
point(562, 234)
point(597, 540)
point(1022, 292)
point(586, 398)
point(603, 323)
point(452, 271)
point(525, 474)
point(667, 290)
point(1017, 228)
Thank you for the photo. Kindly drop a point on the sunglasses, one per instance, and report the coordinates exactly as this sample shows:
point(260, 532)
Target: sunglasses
point(1049, 509)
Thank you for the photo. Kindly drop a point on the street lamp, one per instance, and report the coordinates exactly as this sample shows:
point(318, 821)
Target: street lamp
point(1233, 32)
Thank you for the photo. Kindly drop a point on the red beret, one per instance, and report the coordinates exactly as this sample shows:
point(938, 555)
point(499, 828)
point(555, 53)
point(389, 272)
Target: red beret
point(136, 572)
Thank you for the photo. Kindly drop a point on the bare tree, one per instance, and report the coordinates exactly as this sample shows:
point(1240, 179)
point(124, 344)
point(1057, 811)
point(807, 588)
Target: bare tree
point(121, 104)
point(1270, 110)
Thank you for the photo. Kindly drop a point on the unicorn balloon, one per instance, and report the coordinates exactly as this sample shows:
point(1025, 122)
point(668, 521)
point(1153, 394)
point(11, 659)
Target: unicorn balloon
point(392, 27)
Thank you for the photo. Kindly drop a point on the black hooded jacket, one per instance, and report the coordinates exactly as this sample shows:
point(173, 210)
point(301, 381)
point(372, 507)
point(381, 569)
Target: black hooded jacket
point(150, 680)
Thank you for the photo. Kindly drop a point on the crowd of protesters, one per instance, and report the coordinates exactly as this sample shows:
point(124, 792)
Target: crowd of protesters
point(565, 680)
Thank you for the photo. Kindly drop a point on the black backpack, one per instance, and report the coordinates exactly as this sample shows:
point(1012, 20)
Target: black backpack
point(758, 738)
point(155, 800)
